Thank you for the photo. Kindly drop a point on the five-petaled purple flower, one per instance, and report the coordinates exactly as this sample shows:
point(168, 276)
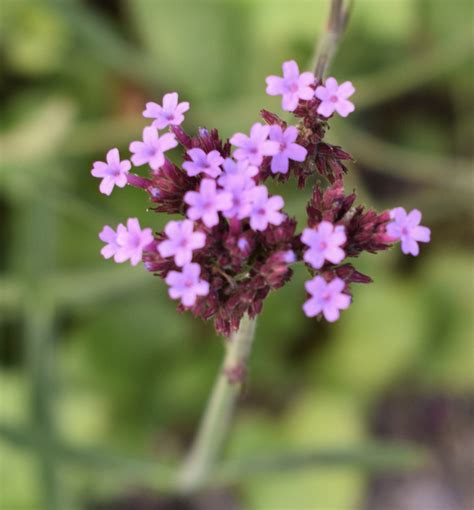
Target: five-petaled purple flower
point(113, 173)
point(206, 204)
point(406, 228)
point(324, 243)
point(187, 284)
point(127, 243)
point(264, 210)
point(170, 114)
point(293, 86)
point(287, 150)
point(209, 164)
point(334, 97)
point(327, 298)
point(254, 147)
point(152, 149)
point(181, 242)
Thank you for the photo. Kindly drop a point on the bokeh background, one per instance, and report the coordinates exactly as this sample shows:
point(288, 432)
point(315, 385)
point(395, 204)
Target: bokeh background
point(94, 358)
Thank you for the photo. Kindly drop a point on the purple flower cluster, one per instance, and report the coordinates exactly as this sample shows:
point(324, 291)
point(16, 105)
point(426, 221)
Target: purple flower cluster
point(235, 243)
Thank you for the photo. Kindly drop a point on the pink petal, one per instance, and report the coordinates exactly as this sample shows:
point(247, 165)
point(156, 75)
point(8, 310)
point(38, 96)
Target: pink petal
point(296, 152)
point(311, 307)
point(280, 164)
point(113, 157)
point(274, 85)
point(344, 107)
point(331, 85)
point(422, 234)
point(107, 185)
point(290, 69)
point(410, 246)
point(346, 90)
point(170, 101)
point(413, 218)
point(289, 102)
point(326, 108)
point(331, 313)
point(321, 93)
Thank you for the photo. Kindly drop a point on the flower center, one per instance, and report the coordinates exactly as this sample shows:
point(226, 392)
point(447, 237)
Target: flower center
point(323, 245)
point(188, 283)
point(261, 211)
point(325, 296)
point(294, 87)
point(333, 98)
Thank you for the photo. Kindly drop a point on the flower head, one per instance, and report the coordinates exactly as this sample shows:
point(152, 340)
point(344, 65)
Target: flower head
point(406, 228)
point(287, 148)
point(152, 149)
point(206, 204)
point(181, 242)
point(264, 210)
point(170, 114)
point(208, 164)
point(327, 298)
point(324, 243)
point(127, 243)
point(334, 98)
point(187, 285)
point(113, 173)
point(293, 86)
point(254, 147)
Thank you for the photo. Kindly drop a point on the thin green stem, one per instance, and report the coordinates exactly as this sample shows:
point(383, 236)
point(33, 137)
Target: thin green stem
point(220, 408)
point(328, 44)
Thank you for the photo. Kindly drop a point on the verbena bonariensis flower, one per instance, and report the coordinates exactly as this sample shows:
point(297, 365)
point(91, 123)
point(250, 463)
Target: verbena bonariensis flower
point(235, 243)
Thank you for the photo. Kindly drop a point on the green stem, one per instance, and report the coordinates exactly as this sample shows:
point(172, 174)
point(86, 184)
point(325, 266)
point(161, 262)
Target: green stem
point(328, 44)
point(215, 423)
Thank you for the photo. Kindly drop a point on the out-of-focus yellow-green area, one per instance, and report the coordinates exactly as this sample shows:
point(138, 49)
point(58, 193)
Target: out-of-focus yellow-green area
point(94, 356)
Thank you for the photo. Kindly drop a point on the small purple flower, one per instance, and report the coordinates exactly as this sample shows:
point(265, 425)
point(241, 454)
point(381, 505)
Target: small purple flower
point(206, 203)
point(201, 162)
point(109, 236)
point(186, 285)
point(327, 298)
point(241, 168)
point(287, 148)
point(264, 210)
point(290, 257)
point(406, 228)
point(293, 86)
point(113, 173)
point(181, 242)
point(170, 114)
point(152, 149)
point(334, 97)
point(324, 244)
point(238, 185)
point(254, 147)
point(131, 241)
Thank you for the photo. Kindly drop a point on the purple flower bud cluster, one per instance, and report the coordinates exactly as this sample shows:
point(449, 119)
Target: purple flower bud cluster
point(235, 243)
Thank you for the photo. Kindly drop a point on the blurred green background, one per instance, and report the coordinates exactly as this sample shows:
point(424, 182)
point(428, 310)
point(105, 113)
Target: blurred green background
point(93, 355)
